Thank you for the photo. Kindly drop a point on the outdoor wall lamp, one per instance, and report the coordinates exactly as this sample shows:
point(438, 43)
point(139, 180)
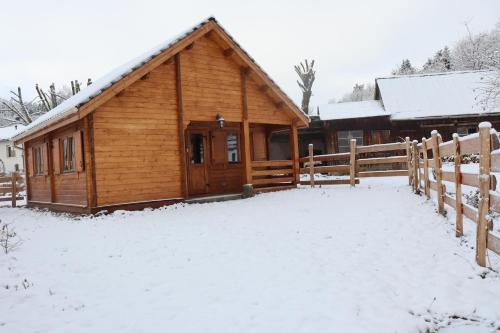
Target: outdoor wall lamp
point(220, 120)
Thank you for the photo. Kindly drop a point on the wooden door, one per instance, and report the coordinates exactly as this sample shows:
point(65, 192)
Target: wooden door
point(197, 162)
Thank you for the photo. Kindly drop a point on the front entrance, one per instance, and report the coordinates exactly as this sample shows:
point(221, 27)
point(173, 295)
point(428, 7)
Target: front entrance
point(214, 160)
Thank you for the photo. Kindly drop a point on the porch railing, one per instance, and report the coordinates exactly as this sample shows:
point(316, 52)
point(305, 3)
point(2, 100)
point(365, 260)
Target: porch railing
point(272, 173)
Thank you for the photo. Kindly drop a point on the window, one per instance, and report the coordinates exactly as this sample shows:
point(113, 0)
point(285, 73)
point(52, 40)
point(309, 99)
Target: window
point(233, 155)
point(464, 131)
point(68, 154)
point(16, 167)
point(345, 137)
point(38, 160)
point(197, 149)
point(11, 152)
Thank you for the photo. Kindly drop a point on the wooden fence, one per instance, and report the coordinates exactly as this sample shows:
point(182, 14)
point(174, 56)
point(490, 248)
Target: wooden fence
point(419, 161)
point(356, 163)
point(428, 155)
point(13, 185)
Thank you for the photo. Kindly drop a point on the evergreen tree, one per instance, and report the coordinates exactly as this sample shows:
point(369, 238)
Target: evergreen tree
point(405, 68)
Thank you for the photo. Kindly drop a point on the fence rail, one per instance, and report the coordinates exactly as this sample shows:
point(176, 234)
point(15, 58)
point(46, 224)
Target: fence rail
point(13, 184)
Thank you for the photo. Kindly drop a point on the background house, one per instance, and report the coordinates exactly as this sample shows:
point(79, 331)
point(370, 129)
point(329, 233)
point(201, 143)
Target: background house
point(11, 156)
point(409, 105)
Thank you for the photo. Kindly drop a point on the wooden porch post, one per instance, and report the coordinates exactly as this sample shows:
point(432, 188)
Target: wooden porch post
point(294, 147)
point(247, 157)
point(180, 124)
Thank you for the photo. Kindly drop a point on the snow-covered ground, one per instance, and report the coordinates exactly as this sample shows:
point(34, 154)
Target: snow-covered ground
point(375, 258)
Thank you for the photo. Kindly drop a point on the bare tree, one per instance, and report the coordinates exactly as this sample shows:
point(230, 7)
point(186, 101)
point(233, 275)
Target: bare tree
point(307, 76)
point(16, 110)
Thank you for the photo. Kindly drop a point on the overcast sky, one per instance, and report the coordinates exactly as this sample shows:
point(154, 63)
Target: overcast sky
point(351, 41)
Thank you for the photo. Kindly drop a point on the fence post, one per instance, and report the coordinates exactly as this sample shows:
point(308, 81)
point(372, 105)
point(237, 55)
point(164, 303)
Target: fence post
point(438, 170)
point(408, 160)
point(426, 168)
point(311, 165)
point(416, 167)
point(459, 225)
point(484, 192)
point(14, 189)
point(353, 163)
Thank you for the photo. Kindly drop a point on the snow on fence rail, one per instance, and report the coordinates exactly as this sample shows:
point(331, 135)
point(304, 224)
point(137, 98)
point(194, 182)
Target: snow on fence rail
point(13, 184)
point(486, 144)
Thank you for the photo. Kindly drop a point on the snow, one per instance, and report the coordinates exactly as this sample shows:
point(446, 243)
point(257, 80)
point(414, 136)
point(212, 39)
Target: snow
point(349, 110)
point(485, 124)
point(432, 95)
point(374, 258)
point(7, 132)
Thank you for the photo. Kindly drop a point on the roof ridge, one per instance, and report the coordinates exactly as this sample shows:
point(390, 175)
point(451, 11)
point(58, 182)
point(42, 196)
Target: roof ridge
point(434, 74)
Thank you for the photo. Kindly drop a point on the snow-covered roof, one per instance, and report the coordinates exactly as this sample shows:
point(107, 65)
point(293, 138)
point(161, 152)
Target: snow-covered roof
point(417, 97)
point(70, 105)
point(349, 110)
point(6, 133)
point(432, 95)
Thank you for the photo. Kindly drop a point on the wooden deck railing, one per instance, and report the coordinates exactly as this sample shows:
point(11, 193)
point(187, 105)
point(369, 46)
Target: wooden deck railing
point(13, 185)
point(486, 144)
point(274, 173)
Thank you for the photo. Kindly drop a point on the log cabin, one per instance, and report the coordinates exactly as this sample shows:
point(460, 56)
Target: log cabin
point(403, 106)
point(190, 118)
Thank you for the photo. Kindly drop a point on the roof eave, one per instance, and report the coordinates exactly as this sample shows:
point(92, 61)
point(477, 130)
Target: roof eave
point(47, 126)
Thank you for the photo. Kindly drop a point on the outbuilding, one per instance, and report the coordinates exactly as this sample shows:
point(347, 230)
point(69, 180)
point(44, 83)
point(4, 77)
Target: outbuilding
point(191, 118)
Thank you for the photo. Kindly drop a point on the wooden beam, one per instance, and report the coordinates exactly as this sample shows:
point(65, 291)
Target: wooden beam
point(279, 104)
point(294, 147)
point(263, 88)
point(247, 157)
point(245, 70)
point(190, 46)
point(145, 77)
point(228, 52)
point(88, 125)
point(180, 124)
